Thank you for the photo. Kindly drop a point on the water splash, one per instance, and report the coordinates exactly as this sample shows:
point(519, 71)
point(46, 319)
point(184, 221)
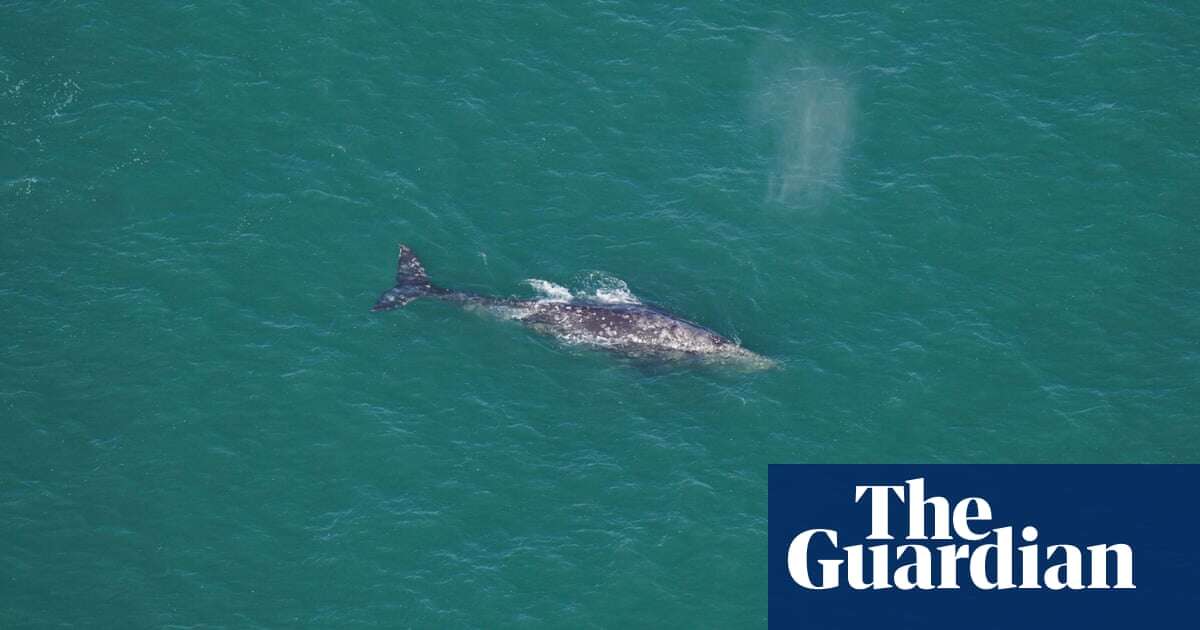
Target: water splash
point(595, 286)
point(598, 286)
point(549, 291)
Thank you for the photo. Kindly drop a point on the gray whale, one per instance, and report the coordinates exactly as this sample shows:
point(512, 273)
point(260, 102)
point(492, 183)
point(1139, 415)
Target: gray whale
point(634, 330)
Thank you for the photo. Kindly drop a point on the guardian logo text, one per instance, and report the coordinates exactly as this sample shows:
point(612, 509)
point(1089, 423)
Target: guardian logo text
point(947, 543)
point(983, 546)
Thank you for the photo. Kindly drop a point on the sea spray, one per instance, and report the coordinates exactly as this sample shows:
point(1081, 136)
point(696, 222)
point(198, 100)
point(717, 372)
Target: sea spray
point(807, 111)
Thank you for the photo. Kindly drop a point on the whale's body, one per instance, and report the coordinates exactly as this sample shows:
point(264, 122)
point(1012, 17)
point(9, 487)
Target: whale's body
point(631, 329)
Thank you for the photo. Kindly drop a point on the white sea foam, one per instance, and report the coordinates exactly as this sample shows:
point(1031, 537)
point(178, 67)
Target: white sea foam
point(616, 296)
point(549, 291)
point(593, 287)
point(598, 286)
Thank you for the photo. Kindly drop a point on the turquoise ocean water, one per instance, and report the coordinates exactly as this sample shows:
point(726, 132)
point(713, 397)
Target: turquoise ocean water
point(968, 234)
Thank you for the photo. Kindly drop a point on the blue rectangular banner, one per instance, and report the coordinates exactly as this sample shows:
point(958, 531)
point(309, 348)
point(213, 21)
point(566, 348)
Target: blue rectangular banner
point(982, 546)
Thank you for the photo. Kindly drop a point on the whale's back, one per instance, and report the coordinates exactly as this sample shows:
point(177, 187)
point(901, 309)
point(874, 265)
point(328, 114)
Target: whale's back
point(633, 329)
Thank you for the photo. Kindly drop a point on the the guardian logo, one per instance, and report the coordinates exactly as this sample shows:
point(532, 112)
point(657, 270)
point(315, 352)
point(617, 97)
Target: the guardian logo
point(974, 554)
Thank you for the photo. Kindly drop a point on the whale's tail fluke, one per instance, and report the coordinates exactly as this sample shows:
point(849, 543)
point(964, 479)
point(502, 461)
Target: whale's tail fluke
point(411, 283)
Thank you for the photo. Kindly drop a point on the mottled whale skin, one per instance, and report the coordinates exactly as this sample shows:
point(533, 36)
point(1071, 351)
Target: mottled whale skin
point(631, 329)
